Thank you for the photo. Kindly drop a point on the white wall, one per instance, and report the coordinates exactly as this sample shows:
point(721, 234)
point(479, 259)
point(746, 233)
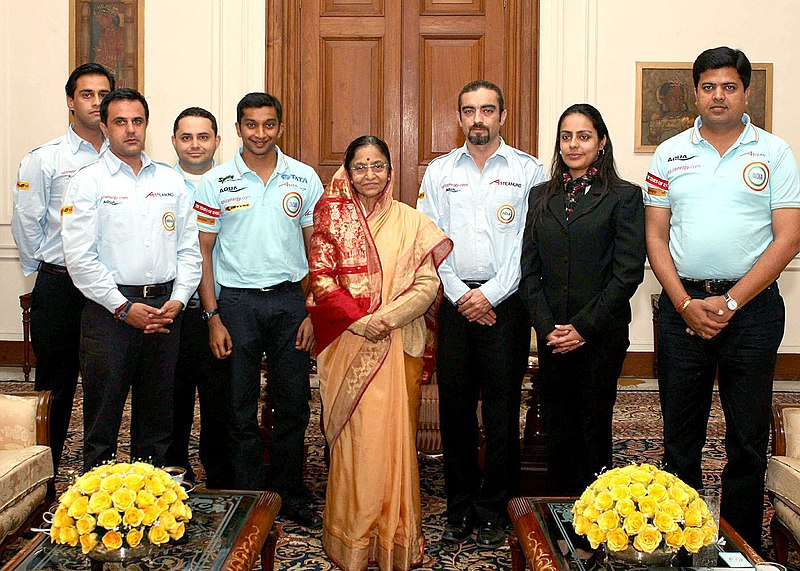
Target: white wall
point(210, 52)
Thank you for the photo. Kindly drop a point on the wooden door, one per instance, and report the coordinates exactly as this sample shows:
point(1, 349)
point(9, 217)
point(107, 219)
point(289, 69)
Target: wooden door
point(394, 68)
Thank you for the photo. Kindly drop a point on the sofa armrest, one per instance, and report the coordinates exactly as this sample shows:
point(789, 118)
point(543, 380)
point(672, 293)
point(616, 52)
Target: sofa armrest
point(25, 419)
point(786, 430)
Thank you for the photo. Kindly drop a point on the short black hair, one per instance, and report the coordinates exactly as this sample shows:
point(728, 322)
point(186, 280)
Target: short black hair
point(88, 69)
point(256, 100)
point(723, 56)
point(195, 112)
point(122, 94)
point(483, 84)
point(363, 141)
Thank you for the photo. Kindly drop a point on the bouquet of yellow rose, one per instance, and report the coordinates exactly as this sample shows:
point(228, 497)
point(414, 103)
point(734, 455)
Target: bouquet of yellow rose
point(121, 505)
point(645, 507)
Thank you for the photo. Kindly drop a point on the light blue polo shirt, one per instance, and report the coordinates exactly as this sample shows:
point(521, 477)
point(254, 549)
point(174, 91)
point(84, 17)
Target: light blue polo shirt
point(259, 227)
point(721, 206)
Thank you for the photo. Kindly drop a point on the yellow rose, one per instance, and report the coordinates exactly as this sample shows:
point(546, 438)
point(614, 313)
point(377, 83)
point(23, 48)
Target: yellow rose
point(664, 479)
point(678, 493)
point(601, 483)
point(619, 480)
point(79, 507)
point(617, 540)
point(178, 532)
point(664, 522)
point(648, 506)
point(603, 501)
point(143, 468)
point(55, 534)
point(144, 499)
point(151, 514)
point(625, 507)
point(123, 498)
point(86, 524)
point(70, 535)
point(587, 497)
point(591, 513)
point(641, 476)
point(658, 492)
point(709, 532)
point(672, 509)
point(120, 468)
point(187, 512)
point(692, 517)
point(112, 540)
point(111, 483)
point(620, 493)
point(61, 517)
point(162, 504)
point(647, 540)
point(637, 490)
point(674, 538)
point(182, 495)
point(88, 542)
point(170, 496)
point(134, 481)
point(693, 539)
point(595, 535)
point(155, 486)
point(134, 537)
point(165, 478)
point(109, 519)
point(69, 496)
point(167, 521)
point(89, 483)
point(157, 535)
point(608, 520)
point(579, 523)
point(99, 501)
point(133, 517)
point(634, 523)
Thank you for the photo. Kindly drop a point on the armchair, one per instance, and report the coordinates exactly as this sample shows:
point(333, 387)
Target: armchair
point(783, 479)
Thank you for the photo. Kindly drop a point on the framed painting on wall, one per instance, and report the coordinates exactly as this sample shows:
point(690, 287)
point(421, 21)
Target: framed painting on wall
point(665, 103)
point(109, 32)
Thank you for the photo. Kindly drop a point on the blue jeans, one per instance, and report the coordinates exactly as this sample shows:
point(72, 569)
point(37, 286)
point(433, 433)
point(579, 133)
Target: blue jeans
point(267, 323)
point(743, 356)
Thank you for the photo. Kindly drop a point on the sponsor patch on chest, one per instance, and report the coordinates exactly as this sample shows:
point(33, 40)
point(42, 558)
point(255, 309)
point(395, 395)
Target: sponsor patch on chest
point(292, 204)
point(756, 176)
point(506, 214)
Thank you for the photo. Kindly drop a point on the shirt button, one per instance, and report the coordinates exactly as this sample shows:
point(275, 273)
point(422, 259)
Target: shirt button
point(149, 275)
point(147, 244)
point(480, 268)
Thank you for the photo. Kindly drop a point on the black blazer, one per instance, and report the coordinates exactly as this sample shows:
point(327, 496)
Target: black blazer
point(584, 271)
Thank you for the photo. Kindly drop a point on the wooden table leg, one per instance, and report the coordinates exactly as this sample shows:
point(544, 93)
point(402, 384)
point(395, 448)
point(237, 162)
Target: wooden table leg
point(25, 304)
point(517, 558)
point(268, 551)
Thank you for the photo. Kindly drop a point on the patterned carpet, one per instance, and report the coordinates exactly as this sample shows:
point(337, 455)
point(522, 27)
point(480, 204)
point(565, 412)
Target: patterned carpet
point(637, 437)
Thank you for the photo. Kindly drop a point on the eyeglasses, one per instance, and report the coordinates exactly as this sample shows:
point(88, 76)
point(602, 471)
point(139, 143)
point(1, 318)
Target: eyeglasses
point(377, 168)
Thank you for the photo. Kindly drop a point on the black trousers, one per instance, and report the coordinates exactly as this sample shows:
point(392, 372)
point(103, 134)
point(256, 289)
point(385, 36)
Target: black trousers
point(475, 360)
point(199, 372)
point(267, 323)
point(56, 306)
point(743, 355)
point(579, 390)
point(116, 357)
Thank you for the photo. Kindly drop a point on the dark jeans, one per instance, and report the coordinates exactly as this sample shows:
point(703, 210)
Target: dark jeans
point(56, 306)
point(743, 355)
point(579, 390)
point(267, 323)
point(199, 371)
point(116, 357)
point(478, 360)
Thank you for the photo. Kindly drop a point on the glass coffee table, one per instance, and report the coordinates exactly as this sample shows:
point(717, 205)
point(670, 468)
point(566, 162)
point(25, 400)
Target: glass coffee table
point(228, 530)
point(543, 540)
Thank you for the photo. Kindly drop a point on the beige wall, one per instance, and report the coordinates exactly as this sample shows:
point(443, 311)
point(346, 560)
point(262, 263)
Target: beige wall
point(211, 52)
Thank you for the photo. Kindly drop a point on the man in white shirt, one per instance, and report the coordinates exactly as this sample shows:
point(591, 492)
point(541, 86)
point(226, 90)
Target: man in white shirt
point(131, 247)
point(56, 304)
point(478, 194)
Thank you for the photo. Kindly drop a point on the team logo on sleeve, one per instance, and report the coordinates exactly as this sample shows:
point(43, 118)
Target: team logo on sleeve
point(203, 209)
point(756, 176)
point(207, 221)
point(23, 185)
point(168, 221)
point(506, 214)
point(656, 186)
point(66, 210)
point(292, 204)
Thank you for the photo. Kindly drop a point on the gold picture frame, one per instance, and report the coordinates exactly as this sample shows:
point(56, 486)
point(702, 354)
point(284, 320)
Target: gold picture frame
point(665, 102)
point(109, 32)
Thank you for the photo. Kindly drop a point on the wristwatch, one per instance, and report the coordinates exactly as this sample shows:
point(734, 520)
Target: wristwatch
point(209, 314)
point(732, 304)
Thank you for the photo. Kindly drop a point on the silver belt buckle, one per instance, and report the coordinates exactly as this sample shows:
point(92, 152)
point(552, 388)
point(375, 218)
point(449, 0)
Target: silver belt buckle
point(266, 289)
point(146, 290)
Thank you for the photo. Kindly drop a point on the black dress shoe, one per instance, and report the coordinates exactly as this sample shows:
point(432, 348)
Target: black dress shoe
point(490, 535)
point(302, 515)
point(458, 531)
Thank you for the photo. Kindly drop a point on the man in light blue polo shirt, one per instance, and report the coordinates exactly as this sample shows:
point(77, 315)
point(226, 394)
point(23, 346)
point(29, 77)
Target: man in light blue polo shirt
point(723, 221)
point(257, 209)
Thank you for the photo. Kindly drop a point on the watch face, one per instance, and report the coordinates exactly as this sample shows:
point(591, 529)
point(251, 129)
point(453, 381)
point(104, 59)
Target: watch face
point(731, 303)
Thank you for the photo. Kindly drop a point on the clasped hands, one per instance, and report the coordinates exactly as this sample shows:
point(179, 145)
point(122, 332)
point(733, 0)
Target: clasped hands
point(153, 319)
point(474, 306)
point(706, 317)
point(564, 338)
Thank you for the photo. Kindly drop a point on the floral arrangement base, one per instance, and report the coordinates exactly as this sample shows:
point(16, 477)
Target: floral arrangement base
point(659, 557)
point(123, 555)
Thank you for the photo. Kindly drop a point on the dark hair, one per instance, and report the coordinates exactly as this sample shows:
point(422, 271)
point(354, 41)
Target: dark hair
point(606, 169)
point(195, 112)
point(723, 56)
point(256, 100)
point(88, 69)
point(363, 141)
point(122, 94)
point(482, 84)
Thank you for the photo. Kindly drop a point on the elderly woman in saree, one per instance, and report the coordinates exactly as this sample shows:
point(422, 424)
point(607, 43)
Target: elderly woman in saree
point(374, 294)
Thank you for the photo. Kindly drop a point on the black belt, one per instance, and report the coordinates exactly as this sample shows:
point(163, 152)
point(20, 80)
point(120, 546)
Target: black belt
point(717, 287)
point(277, 287)
point(146, 291)
point(52, 269)
point(473, 284)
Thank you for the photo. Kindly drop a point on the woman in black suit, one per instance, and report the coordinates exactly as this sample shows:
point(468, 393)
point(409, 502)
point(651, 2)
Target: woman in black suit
point(583, 257)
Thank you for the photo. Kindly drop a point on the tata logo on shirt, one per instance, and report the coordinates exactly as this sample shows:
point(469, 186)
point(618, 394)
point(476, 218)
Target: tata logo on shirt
point(294, 177)
point(680, 158)
point(160, 194)
point(506, 183)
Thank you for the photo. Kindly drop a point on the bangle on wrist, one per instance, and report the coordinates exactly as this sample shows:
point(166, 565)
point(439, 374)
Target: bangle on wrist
point(121, 313)
point(684, 304)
